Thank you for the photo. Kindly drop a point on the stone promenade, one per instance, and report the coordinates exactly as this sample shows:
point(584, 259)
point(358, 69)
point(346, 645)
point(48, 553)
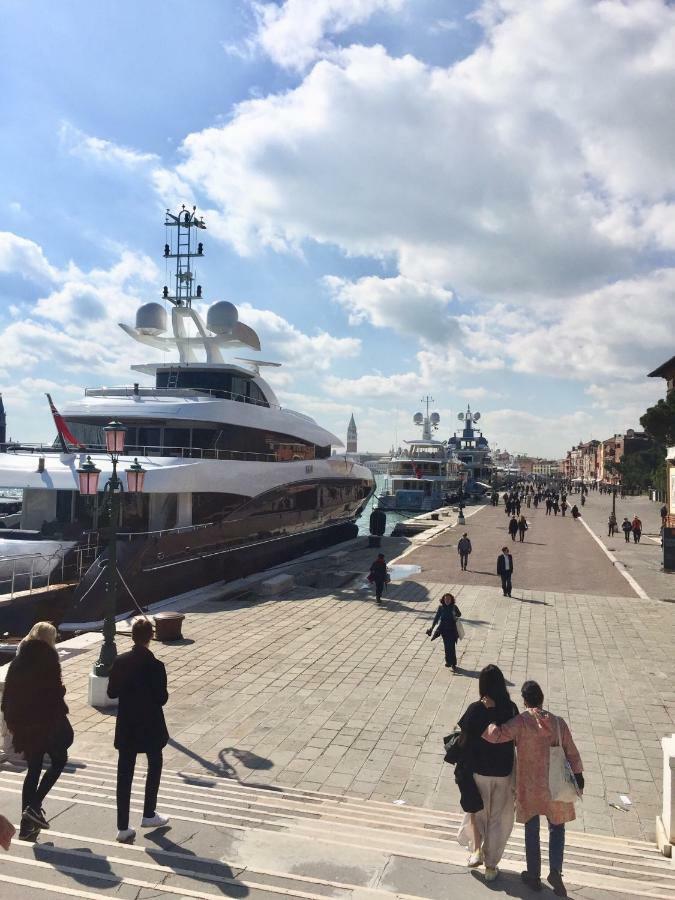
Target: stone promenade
point(332, 693)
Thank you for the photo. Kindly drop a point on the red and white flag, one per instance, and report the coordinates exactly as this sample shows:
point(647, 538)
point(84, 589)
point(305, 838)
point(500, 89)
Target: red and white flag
point(65, 435)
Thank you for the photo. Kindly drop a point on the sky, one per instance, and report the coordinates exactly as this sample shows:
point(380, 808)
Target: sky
point(469, 200)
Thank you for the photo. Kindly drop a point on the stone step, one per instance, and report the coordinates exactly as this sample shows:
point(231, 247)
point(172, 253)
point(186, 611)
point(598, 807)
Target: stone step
point(299, 830)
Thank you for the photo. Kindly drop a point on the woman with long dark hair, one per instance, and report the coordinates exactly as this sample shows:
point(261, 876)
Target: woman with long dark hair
point(37, 718)
point(487, 825)
point(446, 619)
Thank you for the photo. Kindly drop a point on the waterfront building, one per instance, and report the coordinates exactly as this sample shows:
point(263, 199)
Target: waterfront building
point(666, 370)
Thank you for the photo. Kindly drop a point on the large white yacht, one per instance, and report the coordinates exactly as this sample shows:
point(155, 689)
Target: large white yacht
point(234, 481)
point(422, 476)
point(473, 450)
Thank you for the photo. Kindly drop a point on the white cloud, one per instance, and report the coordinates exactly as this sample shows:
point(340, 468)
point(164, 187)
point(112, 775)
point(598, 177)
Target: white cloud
point(501, 175)
point(296, 32)
point(24, 257)
point(414, 309)
point(99, 150)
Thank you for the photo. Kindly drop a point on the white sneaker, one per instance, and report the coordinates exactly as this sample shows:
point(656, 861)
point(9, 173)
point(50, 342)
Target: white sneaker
point(155, 821)
point(475, 859)
point(491, 874)
point(126, 836)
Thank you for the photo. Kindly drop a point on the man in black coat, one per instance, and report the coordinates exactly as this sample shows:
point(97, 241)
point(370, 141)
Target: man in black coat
point(505, 570)
point(139, 681)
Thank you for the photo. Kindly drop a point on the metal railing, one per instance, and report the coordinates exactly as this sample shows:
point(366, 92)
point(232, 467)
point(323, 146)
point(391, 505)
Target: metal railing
point(158, 450)
point(30, 572)
point(219, 393)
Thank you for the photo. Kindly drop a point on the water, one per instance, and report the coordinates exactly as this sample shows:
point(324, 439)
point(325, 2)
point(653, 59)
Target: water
point(392, 517)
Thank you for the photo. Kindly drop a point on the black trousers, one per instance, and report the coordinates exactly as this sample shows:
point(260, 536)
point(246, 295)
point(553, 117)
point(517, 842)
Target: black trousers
point(450, 649)
point(34, 789)
point(379, 587)
point(506, 583)
point(463, 560)
point(126, 764)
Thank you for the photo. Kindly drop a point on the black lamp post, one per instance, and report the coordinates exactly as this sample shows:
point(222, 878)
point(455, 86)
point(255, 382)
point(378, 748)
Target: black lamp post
point(88, 476)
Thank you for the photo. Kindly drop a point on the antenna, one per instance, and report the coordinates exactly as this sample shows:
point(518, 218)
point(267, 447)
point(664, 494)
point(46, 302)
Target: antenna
point(186, 248)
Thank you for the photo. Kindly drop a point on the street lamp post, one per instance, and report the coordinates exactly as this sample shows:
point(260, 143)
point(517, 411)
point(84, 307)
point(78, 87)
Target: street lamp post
point(88, 476)
point(460, 518)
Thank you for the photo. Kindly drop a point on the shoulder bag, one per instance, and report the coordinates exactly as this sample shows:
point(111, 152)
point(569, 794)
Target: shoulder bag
point(562, 784)
point(454, 744)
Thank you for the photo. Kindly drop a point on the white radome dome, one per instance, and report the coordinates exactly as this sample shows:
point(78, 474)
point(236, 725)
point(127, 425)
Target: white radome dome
point(222, 317)
point(151, 319)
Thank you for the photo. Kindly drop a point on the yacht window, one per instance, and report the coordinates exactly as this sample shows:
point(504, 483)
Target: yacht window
point(203, 438)
point(256, 394)
point(176, 440)
point(238, 387)
point(149, 438)
point(214, 507)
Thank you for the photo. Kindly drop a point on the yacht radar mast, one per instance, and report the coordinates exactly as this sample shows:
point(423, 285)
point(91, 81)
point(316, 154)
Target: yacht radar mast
point(428, 422)
point(222, 328)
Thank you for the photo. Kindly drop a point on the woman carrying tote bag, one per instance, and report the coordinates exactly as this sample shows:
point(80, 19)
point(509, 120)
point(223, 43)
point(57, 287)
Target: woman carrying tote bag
point(538, 736)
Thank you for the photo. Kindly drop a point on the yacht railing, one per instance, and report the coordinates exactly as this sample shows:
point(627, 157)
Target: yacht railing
point(159, 450)
point(182, 529)
point(218, 393)
point(30, 572)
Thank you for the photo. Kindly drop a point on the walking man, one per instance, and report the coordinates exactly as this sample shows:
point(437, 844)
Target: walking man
point(626, 527)
point(636, 525)
point(513, 527)
point(139, 681)
point(505, 570)
point(464, 550)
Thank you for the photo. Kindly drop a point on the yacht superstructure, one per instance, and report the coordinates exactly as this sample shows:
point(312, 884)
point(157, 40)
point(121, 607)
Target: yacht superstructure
point(421, 476)
point(473, 451)
point(234, 481)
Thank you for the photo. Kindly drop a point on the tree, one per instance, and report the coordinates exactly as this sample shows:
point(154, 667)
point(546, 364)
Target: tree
point(659, 421)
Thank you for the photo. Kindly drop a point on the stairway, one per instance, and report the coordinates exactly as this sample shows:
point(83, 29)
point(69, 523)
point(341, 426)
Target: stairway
point(238, 840)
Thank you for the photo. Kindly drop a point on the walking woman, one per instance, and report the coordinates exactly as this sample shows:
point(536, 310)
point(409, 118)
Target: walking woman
point(486, 831)
point(446, 618)
point(37, 718)
point(534, 732)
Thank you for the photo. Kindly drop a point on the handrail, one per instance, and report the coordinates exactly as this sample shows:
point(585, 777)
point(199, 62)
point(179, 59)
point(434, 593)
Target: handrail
point(162, 451)
point(182, 529)
point(219, 393)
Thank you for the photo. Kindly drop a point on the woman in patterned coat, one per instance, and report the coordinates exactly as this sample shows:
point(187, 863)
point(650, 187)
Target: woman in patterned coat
point(534, 732)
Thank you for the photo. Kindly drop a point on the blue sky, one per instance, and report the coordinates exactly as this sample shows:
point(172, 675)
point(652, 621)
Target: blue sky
point(472, 200)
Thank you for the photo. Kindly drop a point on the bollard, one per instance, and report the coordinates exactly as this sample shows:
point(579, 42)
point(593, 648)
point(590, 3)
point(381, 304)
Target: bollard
point(168, 626)
point(665, 823)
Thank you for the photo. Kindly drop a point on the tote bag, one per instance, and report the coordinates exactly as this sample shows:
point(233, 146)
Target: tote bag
point(561, 781)
point(460, 630)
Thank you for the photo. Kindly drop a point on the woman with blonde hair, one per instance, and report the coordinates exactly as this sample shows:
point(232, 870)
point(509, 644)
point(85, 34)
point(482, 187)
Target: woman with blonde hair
point(41, 631)
point(37, 718)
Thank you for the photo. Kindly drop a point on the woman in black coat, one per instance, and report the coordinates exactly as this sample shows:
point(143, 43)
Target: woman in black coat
point(37, 718)
point(378, 576)
point(139, 681)
point(446, 618)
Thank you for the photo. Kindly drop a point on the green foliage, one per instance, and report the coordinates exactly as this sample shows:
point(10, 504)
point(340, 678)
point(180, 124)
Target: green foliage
point(659, 421)
point(639, 470)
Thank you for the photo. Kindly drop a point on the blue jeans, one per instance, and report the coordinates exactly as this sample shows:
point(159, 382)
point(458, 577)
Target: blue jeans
point(556, 846)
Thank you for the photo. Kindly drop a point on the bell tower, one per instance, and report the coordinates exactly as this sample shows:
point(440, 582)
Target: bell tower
point(352, 436)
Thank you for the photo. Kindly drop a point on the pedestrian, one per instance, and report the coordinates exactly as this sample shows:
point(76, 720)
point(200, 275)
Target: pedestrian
point(575, 512)
point(556, 508)
point(486, 831)
point(446, 619)
point(636, 525)
point(378, 576)
point(37, 718)
point(627, 528)
point(529, 500)
point(505, 570)
point(464, 550)
point(139, 681)
point(563, 508)
point(611, 525)
point(522, 528)
point(517, 506)
point(513, 527)
point(534, 732)
point(664, 514)
point(7, 832)
point(549, 506)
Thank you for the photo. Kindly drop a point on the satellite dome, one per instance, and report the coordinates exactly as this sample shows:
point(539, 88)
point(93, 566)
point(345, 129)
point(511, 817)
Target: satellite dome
point(435, 418)
point(460, 416)
point(222, 317)
point(151, 319)
point(476, 416)
point(418, 418)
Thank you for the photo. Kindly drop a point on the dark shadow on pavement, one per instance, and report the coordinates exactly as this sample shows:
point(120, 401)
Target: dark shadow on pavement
point(60, 860)
point(525, 600)
point(192, 866)
point(222, 768)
